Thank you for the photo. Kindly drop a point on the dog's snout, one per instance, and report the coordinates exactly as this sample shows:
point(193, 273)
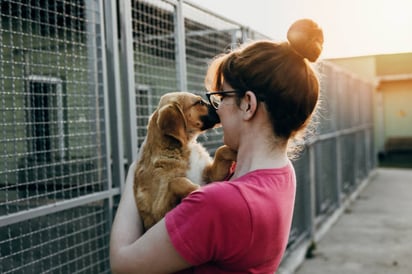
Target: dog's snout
point(211, 119)
point(213, 114)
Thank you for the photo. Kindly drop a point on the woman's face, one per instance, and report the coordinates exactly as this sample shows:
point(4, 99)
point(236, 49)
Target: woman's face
point(229, 114)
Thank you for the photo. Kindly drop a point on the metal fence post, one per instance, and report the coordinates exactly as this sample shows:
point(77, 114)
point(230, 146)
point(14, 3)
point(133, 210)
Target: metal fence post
point(114, 94)
point(108, 202)
point(128, 88)
point(312, 205)
point(338, 170)
point(180, 48)
point(339, 164)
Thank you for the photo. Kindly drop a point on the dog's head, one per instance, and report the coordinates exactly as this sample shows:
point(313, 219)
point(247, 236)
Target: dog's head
point(183, 116)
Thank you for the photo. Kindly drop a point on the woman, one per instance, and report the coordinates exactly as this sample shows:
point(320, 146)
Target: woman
point(265, 94)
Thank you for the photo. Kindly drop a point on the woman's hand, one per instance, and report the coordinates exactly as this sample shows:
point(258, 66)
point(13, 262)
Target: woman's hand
point(131, 251)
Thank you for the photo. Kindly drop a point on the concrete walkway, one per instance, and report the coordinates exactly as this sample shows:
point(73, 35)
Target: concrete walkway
point(374, 235)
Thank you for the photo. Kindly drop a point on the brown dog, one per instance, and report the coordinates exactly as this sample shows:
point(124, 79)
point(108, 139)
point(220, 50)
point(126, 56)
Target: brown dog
point(172, 163)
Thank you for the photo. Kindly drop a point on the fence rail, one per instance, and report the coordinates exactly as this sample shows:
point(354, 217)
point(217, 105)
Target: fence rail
point(78, 81)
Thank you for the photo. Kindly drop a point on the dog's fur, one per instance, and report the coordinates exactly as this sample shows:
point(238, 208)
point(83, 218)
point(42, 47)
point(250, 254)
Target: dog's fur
point(172, 163)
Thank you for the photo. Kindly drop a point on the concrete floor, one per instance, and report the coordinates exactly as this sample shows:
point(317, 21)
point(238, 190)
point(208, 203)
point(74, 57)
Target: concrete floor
point(374, 235)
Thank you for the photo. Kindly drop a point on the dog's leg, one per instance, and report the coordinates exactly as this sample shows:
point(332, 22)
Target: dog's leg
point(182, 186)
point(177, 189)
point(220, 167)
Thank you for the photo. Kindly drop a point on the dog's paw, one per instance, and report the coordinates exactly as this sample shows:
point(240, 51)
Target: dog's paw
point(182, 186)
point(225, 153)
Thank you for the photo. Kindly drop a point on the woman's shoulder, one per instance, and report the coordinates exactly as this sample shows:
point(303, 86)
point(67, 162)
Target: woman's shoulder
point(218, 192)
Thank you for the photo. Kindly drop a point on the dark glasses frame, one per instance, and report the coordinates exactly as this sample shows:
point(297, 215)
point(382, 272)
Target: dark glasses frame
point(214, 102)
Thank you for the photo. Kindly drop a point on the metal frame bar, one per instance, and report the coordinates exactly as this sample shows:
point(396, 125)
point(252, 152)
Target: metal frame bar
point(56, 207)
point(114, 94)
point(312, 198)
point(127, 81)
point(180, 46)
point(317, 221)
point(338, 133)
point(109, 202)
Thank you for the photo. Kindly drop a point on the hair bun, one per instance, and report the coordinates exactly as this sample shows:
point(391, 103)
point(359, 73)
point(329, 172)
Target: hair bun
point(306, 38)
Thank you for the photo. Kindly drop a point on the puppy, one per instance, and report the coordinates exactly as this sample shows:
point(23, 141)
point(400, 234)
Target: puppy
point(172, 163)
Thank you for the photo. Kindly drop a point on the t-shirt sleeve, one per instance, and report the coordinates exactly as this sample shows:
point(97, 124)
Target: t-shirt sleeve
point(211, 224)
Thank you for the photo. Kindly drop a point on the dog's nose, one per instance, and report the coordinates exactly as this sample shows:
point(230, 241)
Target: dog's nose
point(211, 119)
point(213, 114)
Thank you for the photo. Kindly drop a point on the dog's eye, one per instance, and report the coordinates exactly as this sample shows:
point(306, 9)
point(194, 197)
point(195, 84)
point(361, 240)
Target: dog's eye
point(201, 103)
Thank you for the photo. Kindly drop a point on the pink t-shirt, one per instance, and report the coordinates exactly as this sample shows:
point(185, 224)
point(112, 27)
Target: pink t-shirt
point(239, 226)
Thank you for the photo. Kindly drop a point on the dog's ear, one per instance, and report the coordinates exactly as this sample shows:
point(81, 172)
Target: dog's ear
point(171, 121)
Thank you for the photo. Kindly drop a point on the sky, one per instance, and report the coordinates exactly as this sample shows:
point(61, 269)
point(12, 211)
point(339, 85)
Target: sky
point(351, 27)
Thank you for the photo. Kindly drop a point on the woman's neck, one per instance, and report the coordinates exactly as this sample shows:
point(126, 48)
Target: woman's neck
point(257, 154)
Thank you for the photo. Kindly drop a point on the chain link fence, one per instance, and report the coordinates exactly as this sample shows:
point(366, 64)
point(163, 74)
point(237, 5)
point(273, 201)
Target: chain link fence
point(78, 81)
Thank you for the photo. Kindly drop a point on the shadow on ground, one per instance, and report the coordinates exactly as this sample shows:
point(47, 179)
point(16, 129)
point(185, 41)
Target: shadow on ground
point(400, 159)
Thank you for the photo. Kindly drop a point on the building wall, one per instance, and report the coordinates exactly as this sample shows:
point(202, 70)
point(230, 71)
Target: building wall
point(397, 108)
point(363, 67)
point(392, 64)
point(392, 97)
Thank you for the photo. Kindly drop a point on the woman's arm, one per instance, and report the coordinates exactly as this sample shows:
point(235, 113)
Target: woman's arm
point(131, 251)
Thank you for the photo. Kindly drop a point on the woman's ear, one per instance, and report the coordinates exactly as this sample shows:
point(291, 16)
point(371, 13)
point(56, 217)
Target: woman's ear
point(249, 105)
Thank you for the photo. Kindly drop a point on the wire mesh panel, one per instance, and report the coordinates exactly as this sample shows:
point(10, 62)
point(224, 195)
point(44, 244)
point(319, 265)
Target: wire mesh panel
point(344, 101)
point(71, 241)
point(365, 103)
point(348, 148)
point(327, 116)
point(353, 104)
point(366, 114)
point(52, 140)
point(326, 176)
point(343, 150)
point(301, 224)
point(360, 156)
point(157, 51)
point(357, 141)
point(206, 35)
point(155, 62)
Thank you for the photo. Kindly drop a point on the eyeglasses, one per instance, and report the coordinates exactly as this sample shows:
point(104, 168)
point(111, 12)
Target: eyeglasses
point(215, 97)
